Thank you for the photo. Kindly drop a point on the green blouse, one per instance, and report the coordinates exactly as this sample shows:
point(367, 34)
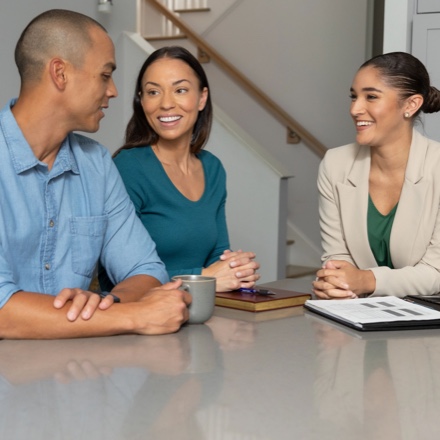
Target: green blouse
point(379, 231)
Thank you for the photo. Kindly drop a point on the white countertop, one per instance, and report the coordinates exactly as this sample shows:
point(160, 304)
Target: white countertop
point(279, 375)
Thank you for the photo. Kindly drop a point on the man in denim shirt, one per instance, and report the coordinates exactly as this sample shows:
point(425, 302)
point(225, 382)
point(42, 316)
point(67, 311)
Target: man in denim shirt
point(63, 204)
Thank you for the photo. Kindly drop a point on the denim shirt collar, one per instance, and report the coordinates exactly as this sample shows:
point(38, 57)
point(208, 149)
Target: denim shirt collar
point(22, 156)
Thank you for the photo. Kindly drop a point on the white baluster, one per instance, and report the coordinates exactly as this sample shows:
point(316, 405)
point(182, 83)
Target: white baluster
point(169, 26)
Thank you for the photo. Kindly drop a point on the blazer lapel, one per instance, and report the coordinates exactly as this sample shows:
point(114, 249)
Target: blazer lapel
point(353, 194)
point(411, 204)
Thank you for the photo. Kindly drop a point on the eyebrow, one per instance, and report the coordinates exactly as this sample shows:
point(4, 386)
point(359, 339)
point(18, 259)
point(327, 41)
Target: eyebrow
point(175, 83)
point(110, 65)
point(368, 89)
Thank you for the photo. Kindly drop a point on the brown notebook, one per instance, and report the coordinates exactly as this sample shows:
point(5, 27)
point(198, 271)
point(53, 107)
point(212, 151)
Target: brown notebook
point(259, 303)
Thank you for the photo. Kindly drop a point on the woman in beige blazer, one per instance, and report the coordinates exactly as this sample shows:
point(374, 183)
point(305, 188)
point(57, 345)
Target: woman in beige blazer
point(380, 197)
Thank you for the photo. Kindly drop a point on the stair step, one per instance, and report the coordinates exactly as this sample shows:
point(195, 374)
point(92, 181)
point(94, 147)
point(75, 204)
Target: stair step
point(293, 271)
point(165, 37)
point(180, 11)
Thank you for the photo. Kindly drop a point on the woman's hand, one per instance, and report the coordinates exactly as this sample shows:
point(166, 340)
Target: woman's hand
point(234, 270)
point(339, 279)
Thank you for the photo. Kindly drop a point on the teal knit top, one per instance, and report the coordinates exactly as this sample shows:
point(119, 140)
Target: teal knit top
point(188, 235)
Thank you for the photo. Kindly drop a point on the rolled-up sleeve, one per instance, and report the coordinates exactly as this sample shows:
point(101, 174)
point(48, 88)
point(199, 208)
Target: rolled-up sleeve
point(7, 283)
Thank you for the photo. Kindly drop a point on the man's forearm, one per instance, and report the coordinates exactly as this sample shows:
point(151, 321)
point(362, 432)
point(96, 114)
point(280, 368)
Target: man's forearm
point(135, 287)
point(29, 315)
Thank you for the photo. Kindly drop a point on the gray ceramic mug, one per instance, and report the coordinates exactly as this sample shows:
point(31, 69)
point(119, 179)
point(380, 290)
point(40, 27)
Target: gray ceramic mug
point(202, 290)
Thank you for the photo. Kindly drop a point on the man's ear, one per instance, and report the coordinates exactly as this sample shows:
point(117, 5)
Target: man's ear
point(57, 72)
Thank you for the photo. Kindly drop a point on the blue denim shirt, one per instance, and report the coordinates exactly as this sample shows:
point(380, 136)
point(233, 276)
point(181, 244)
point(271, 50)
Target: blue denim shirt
point(56, 224)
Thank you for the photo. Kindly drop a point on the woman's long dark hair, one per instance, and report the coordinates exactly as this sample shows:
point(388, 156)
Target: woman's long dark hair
point(139, 132)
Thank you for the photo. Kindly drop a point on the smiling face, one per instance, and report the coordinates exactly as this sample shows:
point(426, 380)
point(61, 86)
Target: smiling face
point(91, 84)
point(377, 110)
point(171, 99)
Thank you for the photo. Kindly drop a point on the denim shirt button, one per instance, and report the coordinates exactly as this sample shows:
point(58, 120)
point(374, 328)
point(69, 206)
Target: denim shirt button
point(47, 266)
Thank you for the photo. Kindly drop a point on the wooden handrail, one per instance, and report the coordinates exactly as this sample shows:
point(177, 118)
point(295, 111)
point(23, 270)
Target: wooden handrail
point(295, 130)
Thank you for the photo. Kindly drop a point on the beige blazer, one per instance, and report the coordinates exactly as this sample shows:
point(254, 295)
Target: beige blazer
point(415, 236)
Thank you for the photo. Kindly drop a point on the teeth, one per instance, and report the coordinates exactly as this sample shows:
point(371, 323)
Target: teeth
point(169, 118)
point(362, 123)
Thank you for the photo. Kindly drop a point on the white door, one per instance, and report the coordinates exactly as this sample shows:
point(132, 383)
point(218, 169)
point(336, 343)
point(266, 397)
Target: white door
point(426, 47)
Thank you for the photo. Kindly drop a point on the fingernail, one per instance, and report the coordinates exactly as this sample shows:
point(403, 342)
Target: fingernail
point(71, 316)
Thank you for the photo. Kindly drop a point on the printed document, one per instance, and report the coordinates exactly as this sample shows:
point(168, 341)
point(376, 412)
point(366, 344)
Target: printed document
point(373, 310)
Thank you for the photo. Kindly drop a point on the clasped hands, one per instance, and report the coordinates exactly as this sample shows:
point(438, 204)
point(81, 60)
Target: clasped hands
point(234, 270)
point(339, 279)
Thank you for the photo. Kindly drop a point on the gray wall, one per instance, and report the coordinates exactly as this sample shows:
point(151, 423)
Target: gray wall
point(16, 14)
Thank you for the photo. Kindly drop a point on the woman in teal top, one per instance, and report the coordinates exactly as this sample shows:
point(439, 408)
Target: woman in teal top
point(189, 235)
point(380, 197)
point(178, 189)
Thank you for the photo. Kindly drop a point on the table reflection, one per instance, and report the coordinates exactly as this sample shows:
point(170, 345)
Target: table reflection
point(108, 388)
point(377, 385)
point(233, 334)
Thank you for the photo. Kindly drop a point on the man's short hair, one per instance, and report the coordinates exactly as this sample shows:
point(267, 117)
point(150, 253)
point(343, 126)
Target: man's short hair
point(56, 32)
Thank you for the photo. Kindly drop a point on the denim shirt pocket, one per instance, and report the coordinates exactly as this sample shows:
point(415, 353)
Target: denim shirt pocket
point(87, 235)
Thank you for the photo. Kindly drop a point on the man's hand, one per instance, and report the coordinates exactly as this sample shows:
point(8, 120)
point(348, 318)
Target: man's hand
point(84, 303)
point(33, 315)
point(162, 310)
